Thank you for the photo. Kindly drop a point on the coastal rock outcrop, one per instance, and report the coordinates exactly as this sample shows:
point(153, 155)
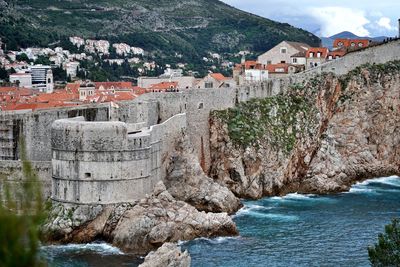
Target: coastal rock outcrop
point(168, 255)
point(138, 227)
point(186, 181)
point(160, 218)
point(318, 137)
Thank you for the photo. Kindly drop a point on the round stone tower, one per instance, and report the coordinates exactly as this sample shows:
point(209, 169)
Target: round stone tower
point(100, 162)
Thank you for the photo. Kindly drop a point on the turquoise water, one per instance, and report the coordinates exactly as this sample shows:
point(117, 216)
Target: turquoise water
point(295, 230)
point(305, 230)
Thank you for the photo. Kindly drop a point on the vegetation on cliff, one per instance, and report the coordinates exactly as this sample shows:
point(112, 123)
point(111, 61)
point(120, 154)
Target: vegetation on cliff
point(387, 251)
point(21, 214)
point(190, 28)
point(280, 120)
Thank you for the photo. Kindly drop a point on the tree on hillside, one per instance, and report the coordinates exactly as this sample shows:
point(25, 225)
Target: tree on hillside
point(21, 214)
point(387, 251)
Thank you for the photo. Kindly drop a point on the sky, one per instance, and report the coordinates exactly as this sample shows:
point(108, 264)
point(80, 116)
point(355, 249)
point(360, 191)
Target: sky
point(326, 17)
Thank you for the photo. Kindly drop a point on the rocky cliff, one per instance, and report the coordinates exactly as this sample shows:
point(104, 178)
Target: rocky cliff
point(137, 227)
point(318, 137)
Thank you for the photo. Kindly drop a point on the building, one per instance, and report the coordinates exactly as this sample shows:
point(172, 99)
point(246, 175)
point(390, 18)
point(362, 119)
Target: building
point(332, 55)
point(215, 81)
point(282, 69)
point(250, 72)
point(316, 56)
point(42, 78)
point(351, 44)
point(21, 79)
point(86, 90)
point(184, 82)
point(164, 87)
point(114, 86)
point(71, 68)
point(282, 53)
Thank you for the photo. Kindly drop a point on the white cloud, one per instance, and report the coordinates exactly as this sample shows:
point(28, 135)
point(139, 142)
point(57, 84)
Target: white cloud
point(385, 23)
point(337, 19)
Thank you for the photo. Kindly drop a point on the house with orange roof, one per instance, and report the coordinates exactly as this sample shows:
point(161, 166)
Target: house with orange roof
point(332, 55)
point(164, 87)
point(250, 72)
point(115, 86)
point(351, 44)
point(215, 81)
point(316, 56)
point(282, 69)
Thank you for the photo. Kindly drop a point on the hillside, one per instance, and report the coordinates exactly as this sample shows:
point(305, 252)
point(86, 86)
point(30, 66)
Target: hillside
point(189, 27)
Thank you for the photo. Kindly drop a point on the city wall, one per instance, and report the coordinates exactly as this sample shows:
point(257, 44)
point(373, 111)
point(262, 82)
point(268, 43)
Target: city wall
point(154, 109)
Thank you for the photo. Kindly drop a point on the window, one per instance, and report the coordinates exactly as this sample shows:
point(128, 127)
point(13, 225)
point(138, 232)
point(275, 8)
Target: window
point(340, 44)
point(311, 54)
point(360, 44)
point(283, 61)
point(283, 50)
point(294, 60)
point(208, 85)
point(88, 175)
point(319, 54)
point(269, 62)
point(353, 44)
point(330, 57)
point(200, 106)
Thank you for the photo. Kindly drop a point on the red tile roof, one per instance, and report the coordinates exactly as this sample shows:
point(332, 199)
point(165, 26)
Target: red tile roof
point(276, 68)
point(113, 85)
point(219, 77)
point(351, 43)
point(315, 50)
point(164, 86)
point(250, 64)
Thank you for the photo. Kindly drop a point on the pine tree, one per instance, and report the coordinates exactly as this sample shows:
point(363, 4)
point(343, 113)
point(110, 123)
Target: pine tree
point(387, 251)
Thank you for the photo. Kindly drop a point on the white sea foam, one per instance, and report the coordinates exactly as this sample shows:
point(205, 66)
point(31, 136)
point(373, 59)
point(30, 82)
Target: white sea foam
point(392, 181)
point(249, 208)
point(101, 248)
point(218, 240)
point(296, 196)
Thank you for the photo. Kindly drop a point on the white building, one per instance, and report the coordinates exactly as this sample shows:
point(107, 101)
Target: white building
point(22, 79)
point(71, 68)
point(77, 41)
point(42, 78)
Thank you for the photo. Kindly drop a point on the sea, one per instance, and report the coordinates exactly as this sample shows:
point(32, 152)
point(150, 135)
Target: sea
point(294, 230)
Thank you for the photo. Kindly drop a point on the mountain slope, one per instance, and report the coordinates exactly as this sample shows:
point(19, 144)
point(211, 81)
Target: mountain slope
point(189, 27)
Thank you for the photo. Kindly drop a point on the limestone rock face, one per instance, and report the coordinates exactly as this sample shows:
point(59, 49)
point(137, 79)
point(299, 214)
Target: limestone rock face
point(138, 227)
point(353, 134)
point(187, 182)
point(160, 218)
point(168, 255)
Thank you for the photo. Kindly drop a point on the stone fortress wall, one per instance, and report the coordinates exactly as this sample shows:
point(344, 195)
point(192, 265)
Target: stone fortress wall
point(108, 162)
point(154, 111)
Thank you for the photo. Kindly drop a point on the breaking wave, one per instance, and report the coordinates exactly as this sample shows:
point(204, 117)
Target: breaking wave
point(101, 248)
point(373, 186)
